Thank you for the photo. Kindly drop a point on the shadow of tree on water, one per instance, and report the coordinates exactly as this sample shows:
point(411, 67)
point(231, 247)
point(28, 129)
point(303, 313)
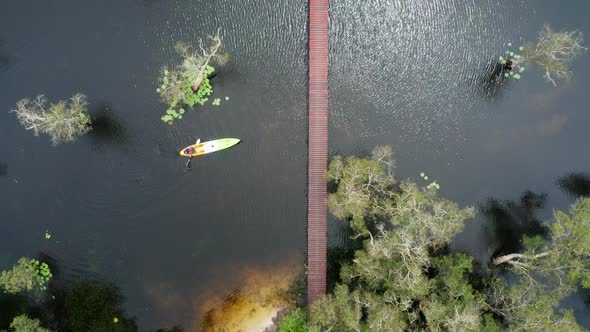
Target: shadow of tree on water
point(508, 221)
point(575, 184)
point(108, 128)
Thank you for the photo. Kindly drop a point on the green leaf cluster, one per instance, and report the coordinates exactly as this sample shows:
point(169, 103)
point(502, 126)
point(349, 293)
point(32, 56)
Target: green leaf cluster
point(294, 321)
point(26, 274)
point(23, 323)
point(517, 62)
point(178, 92)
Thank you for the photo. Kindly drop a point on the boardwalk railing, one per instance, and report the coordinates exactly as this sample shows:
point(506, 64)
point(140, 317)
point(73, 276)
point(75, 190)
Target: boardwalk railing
point(318, 149)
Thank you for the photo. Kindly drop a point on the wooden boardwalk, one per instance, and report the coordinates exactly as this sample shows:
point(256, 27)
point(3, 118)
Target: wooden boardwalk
point(318, 150)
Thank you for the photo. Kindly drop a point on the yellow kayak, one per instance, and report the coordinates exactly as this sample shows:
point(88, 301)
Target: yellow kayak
point(202, 148)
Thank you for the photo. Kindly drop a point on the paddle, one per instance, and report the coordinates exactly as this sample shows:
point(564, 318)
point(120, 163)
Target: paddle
point(188, 163)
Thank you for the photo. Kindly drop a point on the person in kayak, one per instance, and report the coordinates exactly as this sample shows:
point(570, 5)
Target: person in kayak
point(190, 151)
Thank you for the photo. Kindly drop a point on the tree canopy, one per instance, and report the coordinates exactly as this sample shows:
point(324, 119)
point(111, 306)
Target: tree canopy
point(25, 275)
point(188, 84)
point(554, 52)
point(23, 323)
point(406, 278)
point(63, 121)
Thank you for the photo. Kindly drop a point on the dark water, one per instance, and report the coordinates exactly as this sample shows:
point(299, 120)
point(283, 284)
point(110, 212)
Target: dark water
point(121, 206)
point(119, 203)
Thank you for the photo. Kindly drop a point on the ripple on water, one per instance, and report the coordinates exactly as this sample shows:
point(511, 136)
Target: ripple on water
point(412, 65)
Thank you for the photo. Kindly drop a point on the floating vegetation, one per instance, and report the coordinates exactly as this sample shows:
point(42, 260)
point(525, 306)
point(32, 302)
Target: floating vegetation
point(47, 235)
point(187, 84)
point(433, 185)
point(216, 102)
point(226, 98)
point(512, 62)
point(27, 274)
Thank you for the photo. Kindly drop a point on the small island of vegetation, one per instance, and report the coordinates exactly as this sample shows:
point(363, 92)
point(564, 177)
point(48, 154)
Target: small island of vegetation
point(63, 121)
point(553, 53)
point(188, 84)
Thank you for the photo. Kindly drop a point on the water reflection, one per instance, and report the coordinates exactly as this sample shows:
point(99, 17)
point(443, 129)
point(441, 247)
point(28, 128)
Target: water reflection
point(263, 297)
point(492, 80)
point(575, 184)
point(508, 221)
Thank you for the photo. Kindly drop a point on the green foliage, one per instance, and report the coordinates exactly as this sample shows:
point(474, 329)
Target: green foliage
point(23, 323)
point(178, 84)
point(516, 62)
point(337, 312)
point(563, 261)
point(182, 94)
point(216, 102)
point(404, 227)
point(63, 121)
point(359, 183)
point(92, 307)
point(554, 52)
point(27, 274)
point(294, 321)
point(404, 279)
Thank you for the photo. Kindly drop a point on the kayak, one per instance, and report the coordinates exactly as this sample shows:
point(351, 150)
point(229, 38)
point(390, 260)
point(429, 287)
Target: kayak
point(210, 146)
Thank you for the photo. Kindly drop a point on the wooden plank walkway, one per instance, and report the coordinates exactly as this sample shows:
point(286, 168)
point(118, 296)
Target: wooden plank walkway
point(318, 149)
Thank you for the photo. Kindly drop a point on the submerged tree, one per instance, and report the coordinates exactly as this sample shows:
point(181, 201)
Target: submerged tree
point(188, 83)
point(553, 53)
point(23, 323)
point(63, 121)
point(405, 278)
point(26, 275)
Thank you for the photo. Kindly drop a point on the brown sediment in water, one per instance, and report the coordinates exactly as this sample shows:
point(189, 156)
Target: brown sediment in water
point(262, 297)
